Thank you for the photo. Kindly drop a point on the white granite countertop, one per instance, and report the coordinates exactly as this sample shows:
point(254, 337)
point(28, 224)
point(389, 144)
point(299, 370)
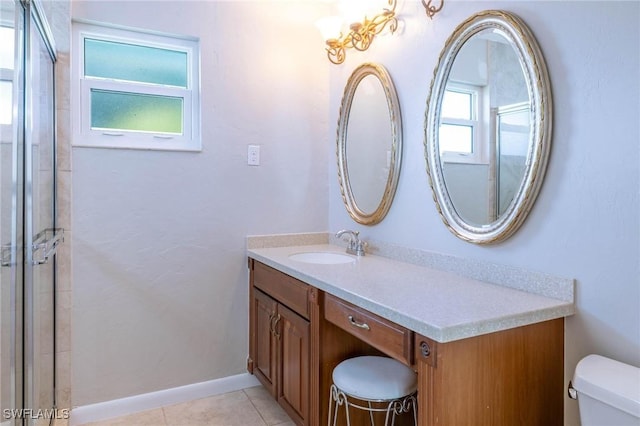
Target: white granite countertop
point(443, 306)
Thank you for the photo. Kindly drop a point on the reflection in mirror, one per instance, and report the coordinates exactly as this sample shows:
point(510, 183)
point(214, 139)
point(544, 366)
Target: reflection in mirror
point(488, 127)
point(369, 144)
point(368, 134)
point(486, 91)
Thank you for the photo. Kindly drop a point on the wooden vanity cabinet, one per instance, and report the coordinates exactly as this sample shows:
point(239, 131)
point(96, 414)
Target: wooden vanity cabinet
point(279, 338)
point(392, 339)
point(348, 331)
point(293, 364)
point(262, 354)
point(511, 377)
point(298, 334)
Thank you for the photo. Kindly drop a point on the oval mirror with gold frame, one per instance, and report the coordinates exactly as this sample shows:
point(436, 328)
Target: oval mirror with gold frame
point(369, 144)
point(488, 127)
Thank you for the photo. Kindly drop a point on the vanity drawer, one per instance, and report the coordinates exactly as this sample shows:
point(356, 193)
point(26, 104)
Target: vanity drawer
point(285, 289)
point(384, 335)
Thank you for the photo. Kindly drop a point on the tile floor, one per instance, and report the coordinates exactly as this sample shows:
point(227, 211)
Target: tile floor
point(248, 407)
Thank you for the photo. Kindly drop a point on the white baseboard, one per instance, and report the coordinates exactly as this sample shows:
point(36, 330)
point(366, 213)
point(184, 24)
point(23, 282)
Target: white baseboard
point(148, 401)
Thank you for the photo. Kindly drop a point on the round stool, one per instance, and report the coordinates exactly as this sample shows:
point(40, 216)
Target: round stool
point(373, 379)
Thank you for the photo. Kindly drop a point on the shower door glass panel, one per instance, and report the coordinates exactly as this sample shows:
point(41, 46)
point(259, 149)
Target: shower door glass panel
point(513, 124)
point(11, 209)
point(39, 229)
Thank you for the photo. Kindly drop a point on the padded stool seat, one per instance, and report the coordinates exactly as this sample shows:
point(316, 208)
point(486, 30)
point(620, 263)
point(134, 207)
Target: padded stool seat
point(373, 380)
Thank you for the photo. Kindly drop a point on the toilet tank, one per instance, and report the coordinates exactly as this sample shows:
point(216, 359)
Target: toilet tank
point(608, 392)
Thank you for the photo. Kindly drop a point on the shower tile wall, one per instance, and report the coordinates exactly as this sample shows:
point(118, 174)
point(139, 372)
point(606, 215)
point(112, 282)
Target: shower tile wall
point(59, 16)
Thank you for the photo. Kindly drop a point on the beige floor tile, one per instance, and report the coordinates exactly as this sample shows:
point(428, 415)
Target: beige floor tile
point(231, 409)
point(144, 418)
point(267, 406)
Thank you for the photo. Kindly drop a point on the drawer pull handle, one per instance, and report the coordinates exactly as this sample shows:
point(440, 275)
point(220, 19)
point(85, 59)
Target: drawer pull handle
point(362, 325)
point(275, 327)
point(272, 316)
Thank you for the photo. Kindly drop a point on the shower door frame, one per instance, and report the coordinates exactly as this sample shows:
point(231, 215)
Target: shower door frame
point(12, 251)
point(34, 16)
point(28, 248)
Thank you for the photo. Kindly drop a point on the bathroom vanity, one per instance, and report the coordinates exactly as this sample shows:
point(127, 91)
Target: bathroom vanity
point(486, 341)
point(485, 354)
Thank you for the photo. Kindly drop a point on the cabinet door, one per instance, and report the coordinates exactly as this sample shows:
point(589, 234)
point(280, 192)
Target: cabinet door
point(510, 377)
point(293, 333)
point(264, 340)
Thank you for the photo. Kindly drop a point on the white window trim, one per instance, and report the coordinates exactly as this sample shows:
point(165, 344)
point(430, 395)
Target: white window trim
point(85, 136)
point(479, 153)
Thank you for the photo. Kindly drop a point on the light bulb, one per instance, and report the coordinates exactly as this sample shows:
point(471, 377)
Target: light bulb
point(330, 27)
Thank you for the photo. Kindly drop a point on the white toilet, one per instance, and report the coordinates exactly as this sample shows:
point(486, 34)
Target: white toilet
point(608, 392)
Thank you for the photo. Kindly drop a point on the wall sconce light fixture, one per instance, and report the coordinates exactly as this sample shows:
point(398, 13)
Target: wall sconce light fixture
point(361, 34)
point(432, 10)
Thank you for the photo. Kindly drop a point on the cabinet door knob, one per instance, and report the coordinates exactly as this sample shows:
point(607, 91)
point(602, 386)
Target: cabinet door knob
point(425, 350)
point(362, 325)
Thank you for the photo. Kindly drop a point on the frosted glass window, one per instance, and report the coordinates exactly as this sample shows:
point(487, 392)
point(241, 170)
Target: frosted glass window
point(456, 138)
point(137, 89)
point(136, 112)
point(7, 52)
point(130, 62)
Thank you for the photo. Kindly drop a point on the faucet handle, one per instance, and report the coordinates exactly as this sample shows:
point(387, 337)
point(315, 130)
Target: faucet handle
point(355, 245)
point(359, 248)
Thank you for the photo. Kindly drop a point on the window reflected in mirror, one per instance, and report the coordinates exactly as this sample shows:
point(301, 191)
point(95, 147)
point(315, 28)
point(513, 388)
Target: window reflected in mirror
point(459, 120)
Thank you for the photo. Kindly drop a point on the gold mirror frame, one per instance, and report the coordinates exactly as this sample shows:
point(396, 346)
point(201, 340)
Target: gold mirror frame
point(395, 145)
point(539, 88)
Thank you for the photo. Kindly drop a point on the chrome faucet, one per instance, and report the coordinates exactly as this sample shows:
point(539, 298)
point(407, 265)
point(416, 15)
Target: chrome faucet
point(356, 246)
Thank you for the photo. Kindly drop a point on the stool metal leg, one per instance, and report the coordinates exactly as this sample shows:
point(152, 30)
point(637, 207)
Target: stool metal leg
point(394, 408)
point(390, 410)
point(346, 408)
point(339, 398)
point(371, 414)
point(329, 411)
point(333, 397)
point(398, 407)
point(415, 412)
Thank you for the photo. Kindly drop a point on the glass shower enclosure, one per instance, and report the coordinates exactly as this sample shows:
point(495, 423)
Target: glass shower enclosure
point(28, 234)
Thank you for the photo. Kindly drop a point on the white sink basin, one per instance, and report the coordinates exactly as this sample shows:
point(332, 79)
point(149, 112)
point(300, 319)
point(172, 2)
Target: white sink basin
point(322, 257)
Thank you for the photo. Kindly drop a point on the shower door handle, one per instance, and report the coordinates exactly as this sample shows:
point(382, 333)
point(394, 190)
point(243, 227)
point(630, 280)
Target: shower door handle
point(5, 255)
point(46, 244)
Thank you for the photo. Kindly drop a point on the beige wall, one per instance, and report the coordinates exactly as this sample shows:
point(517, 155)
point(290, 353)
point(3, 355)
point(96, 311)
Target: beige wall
point(586, 220)
point(160, 295)
point(143, 322)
